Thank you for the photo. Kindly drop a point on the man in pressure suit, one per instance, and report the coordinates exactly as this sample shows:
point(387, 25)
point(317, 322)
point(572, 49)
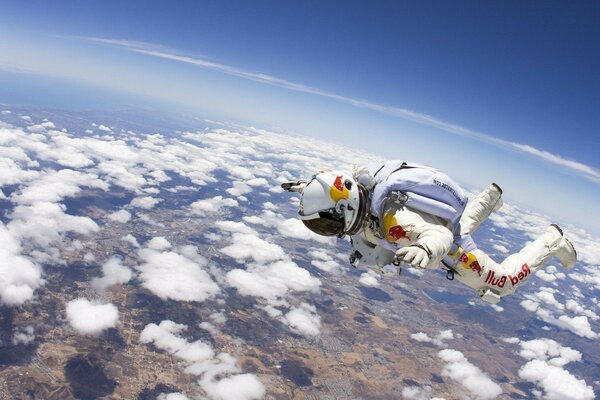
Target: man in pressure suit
point(400, 212)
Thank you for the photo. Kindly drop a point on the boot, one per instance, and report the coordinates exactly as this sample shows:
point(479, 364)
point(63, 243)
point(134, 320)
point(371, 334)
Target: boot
point(560, 247)
point(496, 193)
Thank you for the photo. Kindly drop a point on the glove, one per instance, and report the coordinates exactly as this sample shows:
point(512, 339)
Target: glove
point(416, 255)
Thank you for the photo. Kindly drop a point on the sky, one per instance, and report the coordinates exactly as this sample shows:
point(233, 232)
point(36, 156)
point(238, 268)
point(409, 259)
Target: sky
point(486, 91)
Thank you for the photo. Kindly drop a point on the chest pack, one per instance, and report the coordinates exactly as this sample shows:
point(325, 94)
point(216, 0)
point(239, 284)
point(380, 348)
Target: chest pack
point(416, 186)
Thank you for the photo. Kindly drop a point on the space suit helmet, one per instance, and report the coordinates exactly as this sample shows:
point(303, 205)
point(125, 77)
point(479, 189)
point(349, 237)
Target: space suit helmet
point(333, 204)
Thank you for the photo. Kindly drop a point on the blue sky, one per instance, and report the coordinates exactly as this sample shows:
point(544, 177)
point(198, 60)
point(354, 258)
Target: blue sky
point(487, 91)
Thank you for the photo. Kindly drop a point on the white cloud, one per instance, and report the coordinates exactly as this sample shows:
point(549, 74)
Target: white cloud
point(235, 227)
point(545, 369)
point(267, 205)
point(89, 318)
point(172, 396)
point(369, 280)
point(236, 387)
point(19, 276)
point(145, 202)
point(170, 275)
point(159, 243)
point(239, 189)
point(218, 318)
point(247, 246)
point(557, 383)
point(579, 324)
point(24, 335)
point(104, 128)
point(324, 261)
point(271, 278)
point(417, 393)
point(304, 320)
point(212, 205)
point(327, 266)
point(468, 375)
point(574, 306)
point(46, 223)
point(288, 227)
point(219, 375)
point(500, 248)
point(210, 328)
point(114, 272)
point(129, 238)
point(152, 50)
point(272, 281)
point(438, 340)
point(121, 216)
point(588, 275)
point(258, 182)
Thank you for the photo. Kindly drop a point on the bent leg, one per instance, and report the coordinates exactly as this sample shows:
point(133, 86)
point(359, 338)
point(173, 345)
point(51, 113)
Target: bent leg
point(477, 270)
point(479, 208)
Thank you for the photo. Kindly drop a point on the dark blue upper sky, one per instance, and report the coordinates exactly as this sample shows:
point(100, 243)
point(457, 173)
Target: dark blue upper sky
point(495, 90)
point(523, 70)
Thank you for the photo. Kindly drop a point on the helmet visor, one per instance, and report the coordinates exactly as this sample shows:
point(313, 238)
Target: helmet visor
point(328, 224)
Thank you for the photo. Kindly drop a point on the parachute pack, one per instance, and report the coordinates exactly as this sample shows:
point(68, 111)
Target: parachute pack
point(417, 186)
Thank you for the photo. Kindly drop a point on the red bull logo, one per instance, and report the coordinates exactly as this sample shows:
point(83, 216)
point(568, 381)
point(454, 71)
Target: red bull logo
point(338, 191)
point(393, 230)
point(469, 261)
point(491, 279)
point(397, 232)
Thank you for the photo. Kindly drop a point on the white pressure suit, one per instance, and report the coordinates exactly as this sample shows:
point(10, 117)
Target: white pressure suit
point(442, 242)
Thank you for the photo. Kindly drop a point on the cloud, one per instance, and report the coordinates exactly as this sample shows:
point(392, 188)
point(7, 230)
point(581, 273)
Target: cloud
point(160, 52)
point(369, 280)
point(237, 387)
point(24, 335)
point(500, 248)
point(145, 202)
point(90, 318)
point(574, 306)
point(271, 278)
point(438, 340)
point(557, 383)
point(239, 189)
point(287, 227)
point(172, 396)
point(578, 324)
point(247, 246)
point(272, 281)
point(54, 186)
point(212, 205)
point(46, 223)
point(418, 393)
point(129, 238)
point(304, 320)
point(219, 375)
point(114, 272)
point(324, 261)
point(468, 375)
point(545, 369)
point(121, 216)
point(584, 170)
point(19, 276)
point(175, 276)
point(159, 243)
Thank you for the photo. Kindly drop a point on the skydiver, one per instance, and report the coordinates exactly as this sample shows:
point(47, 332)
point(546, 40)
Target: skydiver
point(398, 212)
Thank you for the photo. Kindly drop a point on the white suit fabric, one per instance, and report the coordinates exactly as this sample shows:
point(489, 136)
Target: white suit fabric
point(480, 271)
point(403, 226)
